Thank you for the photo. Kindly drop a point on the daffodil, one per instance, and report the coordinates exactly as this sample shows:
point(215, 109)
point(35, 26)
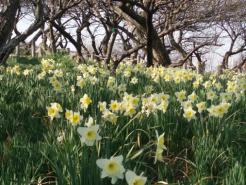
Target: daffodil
point(186, 104)
point(189, 113)
point(201, 106)
point(133, 179)
point(226, 97)
point(72, 88)
point(47, 64)
point(167, 78)
point(102, 106)
point(111, 82)
point(130, 111)
point(134, 80)
point(68, 114)
point(160, 147)
point(75, 118)
point(114, 106)
point(219, 110)
point(109, 116)
point(112, 168)
point(89, 122)
point(211, 95)
point(80, 82)
point(181, 95)
point(207, 84)
point(89, 134)
point(192, 97)
point(58, 73)
point(196, 84)
point(61, 136)
point(85, 102)
point(54, 110)
point(27, 72)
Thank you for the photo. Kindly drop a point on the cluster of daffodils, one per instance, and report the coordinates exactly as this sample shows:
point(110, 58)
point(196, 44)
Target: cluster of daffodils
point(107, 115)
point(191, 106)
point(47, 64)
point(127, 107)
point(41, 75)
point(113, 86)
point(73, 117)
point(155, 102)
point(14, 70)
point(58, 73)
point(87, 72)
point(219, 110)
point(27, 72)
point(114, 169)
point(132, 105)
point(54, 110)
point(176, 75)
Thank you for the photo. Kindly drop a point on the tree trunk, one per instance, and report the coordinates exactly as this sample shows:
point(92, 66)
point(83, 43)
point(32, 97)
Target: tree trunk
point(160, 53)
point(17, 51)
point(226, 60)
point(104, 43)
point(8, 21)
point(52, 39)
point(110, 48)
point(33, 49)
point(149, 38)
point(201, 64)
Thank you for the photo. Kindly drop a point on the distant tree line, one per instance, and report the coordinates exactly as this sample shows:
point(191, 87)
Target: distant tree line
point(159, 28)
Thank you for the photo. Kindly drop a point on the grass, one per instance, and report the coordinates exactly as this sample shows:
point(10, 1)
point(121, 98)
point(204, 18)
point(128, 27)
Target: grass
point(206, 150)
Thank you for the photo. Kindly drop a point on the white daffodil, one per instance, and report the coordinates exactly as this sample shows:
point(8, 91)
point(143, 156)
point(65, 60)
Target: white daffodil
point(112, 168)
point(189, 113)
point(89, 134)
point(89, 122)
point(133, 179)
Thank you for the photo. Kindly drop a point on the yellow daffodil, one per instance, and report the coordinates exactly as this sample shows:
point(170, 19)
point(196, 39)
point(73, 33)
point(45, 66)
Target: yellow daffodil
point(75, 118)
point(85, 102)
